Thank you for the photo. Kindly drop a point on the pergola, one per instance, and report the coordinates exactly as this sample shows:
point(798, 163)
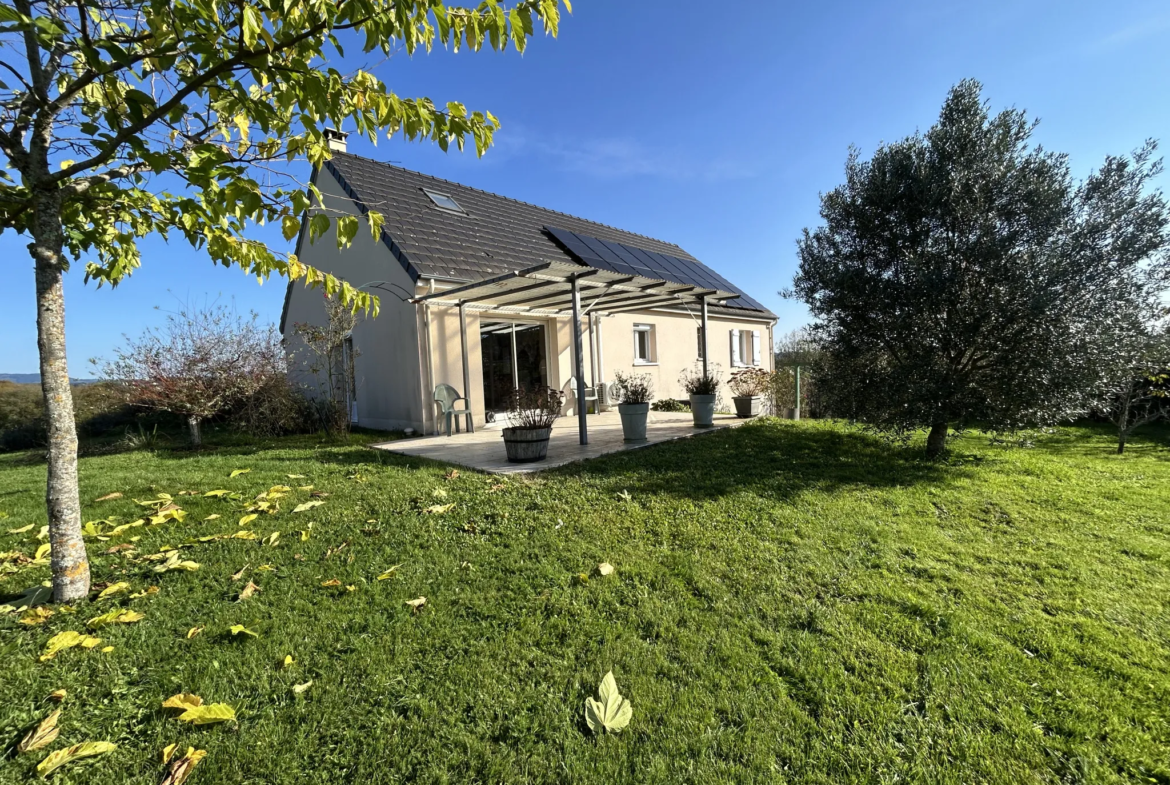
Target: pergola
point(554, 288)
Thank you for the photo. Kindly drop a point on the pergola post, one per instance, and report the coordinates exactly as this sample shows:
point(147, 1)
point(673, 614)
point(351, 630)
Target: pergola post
point(703, 331)
point(579, 363)
point(466, 362)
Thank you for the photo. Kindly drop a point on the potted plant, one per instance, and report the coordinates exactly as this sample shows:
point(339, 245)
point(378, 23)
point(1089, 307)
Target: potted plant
point(634, 392)
point(703, 388)
point(531, 414)
point(748, 387)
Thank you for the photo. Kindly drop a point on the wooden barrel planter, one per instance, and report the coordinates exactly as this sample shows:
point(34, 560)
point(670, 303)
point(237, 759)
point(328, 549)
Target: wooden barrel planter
point(526, 445)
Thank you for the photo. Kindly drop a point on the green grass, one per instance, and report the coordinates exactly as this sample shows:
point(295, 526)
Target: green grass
point(792, 603)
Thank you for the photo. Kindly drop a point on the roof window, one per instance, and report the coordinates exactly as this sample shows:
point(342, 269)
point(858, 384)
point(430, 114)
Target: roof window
point(445, 202)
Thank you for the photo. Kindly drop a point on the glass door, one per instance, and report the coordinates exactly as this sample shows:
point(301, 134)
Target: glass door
point(513, 357)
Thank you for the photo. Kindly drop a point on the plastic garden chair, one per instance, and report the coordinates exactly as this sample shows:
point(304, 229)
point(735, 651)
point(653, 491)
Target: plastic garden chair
point(590, 396)
point(453, 405)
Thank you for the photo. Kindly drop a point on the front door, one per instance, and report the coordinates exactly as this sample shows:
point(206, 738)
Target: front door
point(514, 357)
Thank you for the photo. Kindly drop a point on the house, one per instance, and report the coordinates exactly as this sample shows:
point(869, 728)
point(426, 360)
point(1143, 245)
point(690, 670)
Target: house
point(478, 291)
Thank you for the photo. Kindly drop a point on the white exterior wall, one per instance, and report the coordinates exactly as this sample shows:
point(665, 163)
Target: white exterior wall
point(388, 366)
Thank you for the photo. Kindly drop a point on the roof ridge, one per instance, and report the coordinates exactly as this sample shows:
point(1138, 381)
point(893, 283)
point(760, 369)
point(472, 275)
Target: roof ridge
point(510, 199)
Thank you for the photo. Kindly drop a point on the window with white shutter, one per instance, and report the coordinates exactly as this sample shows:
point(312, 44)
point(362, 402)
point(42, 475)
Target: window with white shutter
point(756, 348)
point(735, 353)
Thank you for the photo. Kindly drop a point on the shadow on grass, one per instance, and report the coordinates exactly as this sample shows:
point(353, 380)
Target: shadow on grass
point(770, 458)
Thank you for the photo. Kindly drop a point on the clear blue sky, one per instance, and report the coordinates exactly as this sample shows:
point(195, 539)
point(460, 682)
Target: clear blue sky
point(715, 132)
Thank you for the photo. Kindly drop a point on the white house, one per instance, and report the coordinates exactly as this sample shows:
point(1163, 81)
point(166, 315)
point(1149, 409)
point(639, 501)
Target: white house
point(478, 291)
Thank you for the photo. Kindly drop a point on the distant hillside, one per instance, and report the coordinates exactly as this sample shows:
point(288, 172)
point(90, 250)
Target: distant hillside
point(35, 378)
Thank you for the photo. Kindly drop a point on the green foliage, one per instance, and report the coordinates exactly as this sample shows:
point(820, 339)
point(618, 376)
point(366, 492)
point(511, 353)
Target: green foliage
point(696, 381)
point(212, 98)
point(787, 595)
point(962, 275)
point(634, 387)
point(670, 405)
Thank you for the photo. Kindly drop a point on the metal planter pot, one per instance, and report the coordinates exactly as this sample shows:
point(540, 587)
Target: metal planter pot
point(703, 410)
point(634, 421)
point(526, 445)
point(748, 405)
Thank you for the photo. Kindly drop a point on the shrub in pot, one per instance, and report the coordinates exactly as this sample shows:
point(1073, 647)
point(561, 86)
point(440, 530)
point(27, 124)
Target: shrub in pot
point(634, 392)
point(748, 387)
point(703, 389)
point(531, 414)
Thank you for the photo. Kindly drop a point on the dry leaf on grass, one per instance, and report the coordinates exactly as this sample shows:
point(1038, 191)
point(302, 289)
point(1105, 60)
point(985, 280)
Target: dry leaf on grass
point(612, 712)
point(299, 689)
point(239, 629)
point(34, 616)
point(247, 591)
point(87, 749)
point(331, 582)
point(116, 616)
point(237, 575)
point(147, 592)
point(303, 506)
point(272, 539)
point(180, 769)
point(439, 509)
point(191, 633)
point(390, 573)
point(183, 701)
point(174, 562)
point(22, 529)
point(208, 714)
point(108, 497)
point(605, 568)
point(451, 475)
point(248, 518)
point(238, 472)
point(67, 640)
point(44, 734)
point(288, 661)
point(57, 696)
point(168, 752)
point(416, 604)
point(113, 589)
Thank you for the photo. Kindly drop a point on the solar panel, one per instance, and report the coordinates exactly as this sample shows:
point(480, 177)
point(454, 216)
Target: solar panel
point(631, 260)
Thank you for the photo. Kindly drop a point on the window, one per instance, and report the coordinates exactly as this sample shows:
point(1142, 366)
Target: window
point(645, 352)
point(445, 202)
point(745, 348)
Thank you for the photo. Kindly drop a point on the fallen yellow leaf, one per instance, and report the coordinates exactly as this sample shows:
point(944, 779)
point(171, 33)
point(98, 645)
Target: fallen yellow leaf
point(57, 695)
point(183, 701)
point(248, 518)
point(44, 734)
point(239, 629)
point(288, 661)
point(87, 749)
point(116, 616)
point(205, 715)
point(191, 633)
point(33, 616)
point(181, 768)
point(113, 589)
point(417, 603)
point(22, 529)
point(299, 689)
point(238, 472)
point(108, 497)
point(331, 582)
point(67, 640)
point(390, 573)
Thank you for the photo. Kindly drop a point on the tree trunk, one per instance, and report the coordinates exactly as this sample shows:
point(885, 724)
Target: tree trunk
point(1121, 437)
point(936, 441)
point(1123, 420)
point(196, 434)
point(70, 566)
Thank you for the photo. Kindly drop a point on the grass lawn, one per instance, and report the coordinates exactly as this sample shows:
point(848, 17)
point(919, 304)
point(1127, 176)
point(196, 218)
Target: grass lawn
point(792, 602)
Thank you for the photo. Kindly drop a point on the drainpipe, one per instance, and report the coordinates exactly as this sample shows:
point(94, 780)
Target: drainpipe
point(466, 362)
point(430, 404)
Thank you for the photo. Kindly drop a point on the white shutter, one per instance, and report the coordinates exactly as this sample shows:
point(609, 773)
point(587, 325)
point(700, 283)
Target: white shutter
point(735, 348)
point(756, 348)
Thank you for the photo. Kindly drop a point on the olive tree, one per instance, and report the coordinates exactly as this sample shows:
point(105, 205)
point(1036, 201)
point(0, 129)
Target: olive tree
point(123, 118)
point(961, 275)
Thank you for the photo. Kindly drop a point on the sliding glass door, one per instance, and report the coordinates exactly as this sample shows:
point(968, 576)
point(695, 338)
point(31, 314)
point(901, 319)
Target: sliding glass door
point(514, 356)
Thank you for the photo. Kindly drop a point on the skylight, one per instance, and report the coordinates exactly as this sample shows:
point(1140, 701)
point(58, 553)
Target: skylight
point(444, 201)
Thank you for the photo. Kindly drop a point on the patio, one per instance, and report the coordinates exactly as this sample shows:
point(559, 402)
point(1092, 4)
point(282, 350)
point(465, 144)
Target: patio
point(484, 449)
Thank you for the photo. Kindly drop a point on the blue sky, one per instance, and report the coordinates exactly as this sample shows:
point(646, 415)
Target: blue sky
point(715, 132)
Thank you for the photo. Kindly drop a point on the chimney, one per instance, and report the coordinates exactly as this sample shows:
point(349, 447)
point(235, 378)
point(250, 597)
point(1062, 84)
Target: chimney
point(335, 139)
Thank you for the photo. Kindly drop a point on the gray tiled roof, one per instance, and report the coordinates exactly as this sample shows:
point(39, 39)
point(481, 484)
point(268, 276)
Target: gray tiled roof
point(496, 236)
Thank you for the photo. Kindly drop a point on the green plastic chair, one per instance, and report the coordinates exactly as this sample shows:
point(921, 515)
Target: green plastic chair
point(452, 406)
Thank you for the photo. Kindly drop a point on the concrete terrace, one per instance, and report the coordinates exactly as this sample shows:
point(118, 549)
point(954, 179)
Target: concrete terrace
point(484, 449)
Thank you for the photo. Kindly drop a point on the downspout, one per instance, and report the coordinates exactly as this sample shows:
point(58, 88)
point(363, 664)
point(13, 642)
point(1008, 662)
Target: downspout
point(430, 391)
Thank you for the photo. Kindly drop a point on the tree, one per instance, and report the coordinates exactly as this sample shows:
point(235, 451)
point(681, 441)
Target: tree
point(124, 118)
point(1138, 392)
point(205, 361)
point(962, 276)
